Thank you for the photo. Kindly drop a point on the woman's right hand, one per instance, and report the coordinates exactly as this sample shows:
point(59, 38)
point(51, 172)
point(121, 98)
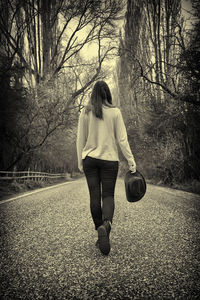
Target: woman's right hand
point(132, 168)
point(80, 168)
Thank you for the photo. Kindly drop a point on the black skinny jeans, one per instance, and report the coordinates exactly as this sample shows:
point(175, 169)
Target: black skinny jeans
point(101, 178)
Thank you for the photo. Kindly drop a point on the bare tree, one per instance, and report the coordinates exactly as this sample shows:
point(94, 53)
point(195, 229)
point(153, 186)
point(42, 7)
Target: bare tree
point(158, 75)
point(53, 30)
point(46, 38)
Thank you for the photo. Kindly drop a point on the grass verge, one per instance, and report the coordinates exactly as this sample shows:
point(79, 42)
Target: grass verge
point(11, 188)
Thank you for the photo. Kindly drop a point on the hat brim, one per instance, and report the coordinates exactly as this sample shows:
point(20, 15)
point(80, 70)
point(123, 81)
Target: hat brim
point(129, 176)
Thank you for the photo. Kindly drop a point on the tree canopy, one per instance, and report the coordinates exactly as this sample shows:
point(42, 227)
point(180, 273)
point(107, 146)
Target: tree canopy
point(158, 78)
point(42, 62)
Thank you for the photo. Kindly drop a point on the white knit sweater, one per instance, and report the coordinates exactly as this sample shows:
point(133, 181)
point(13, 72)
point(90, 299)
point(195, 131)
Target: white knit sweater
point(98, 138)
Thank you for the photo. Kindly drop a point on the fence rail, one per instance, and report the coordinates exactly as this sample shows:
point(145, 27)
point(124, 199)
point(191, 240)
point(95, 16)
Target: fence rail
point(29, 175)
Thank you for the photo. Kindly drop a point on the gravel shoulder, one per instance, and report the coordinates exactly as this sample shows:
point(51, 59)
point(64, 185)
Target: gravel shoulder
point(48, 246)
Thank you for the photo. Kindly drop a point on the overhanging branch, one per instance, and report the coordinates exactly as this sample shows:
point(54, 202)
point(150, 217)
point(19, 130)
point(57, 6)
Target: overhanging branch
point(185, 98)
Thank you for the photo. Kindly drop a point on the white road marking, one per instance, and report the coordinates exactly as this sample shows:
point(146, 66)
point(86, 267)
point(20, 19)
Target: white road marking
point(34, 192)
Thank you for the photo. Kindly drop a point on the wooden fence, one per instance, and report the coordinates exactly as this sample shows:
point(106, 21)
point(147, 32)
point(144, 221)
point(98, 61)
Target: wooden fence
point(29, 175)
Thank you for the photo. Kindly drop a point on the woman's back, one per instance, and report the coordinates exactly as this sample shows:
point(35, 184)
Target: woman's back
point(98, 138)
point(101, 138)
point(100, 127)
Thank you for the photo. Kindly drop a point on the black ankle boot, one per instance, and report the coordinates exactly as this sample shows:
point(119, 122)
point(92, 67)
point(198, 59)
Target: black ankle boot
point(103, 237)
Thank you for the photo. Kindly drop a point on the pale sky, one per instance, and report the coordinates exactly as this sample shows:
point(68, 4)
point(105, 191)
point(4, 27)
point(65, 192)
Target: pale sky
point(187, 4)
point(91, 50)
point(186, 9)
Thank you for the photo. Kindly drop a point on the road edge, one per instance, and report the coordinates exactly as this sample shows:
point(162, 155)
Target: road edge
point(36, 191)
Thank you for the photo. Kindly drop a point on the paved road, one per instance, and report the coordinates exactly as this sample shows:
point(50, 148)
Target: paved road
point(48, 252)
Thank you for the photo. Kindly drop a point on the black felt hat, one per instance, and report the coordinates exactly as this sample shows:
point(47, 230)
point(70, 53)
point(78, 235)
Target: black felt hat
point(135, 186)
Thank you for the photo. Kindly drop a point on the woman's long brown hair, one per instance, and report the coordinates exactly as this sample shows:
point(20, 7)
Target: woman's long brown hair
point(100, 95)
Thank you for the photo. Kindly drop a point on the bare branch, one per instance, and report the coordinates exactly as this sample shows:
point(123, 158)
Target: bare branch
point(185, 98)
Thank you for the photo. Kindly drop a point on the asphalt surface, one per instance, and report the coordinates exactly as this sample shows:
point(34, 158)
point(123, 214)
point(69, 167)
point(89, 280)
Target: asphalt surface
point(48, 246)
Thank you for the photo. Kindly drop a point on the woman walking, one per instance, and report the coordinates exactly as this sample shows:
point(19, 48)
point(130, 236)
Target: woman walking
point(100, 128)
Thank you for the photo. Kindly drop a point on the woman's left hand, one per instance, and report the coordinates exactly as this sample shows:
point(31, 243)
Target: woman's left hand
point(132, 168)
